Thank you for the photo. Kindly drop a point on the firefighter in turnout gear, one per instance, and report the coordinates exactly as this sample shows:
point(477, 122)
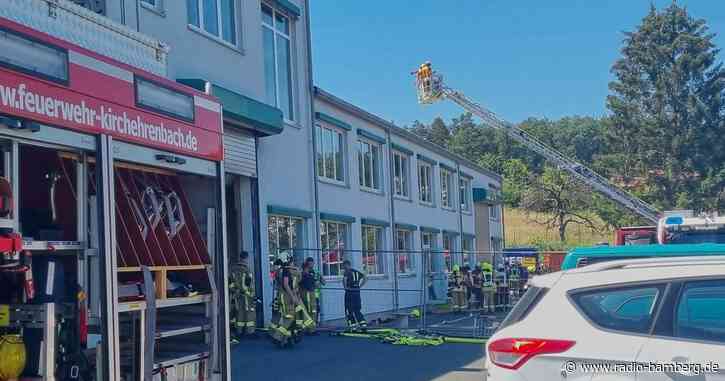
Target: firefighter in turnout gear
point(457, 285)
point(514, 279)
point(303, 320)
point(488, 288)
point(281, 326)
point(309, 291)
point(477, 283)
point(353, 281)
point(241, 287)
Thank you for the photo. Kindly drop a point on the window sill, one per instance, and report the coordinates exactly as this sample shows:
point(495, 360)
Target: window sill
point(467, 212)
point(406, 275)
point(291, 123)
point(402, 198)
point(427, 204)
point(377, 277)
point(448, 209)
point(335, 183)
point(155, 9)
point(371, 190)
point(214, 38)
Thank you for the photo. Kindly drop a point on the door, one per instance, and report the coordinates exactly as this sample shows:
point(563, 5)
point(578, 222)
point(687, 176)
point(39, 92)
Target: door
point(689, 333)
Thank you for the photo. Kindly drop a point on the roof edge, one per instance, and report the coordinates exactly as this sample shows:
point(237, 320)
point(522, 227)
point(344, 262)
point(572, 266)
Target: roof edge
point(402, 132)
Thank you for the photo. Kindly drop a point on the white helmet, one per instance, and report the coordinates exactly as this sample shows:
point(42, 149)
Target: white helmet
point(284, 256)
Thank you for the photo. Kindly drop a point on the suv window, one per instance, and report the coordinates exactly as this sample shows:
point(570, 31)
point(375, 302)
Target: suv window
point(629, 309)
point(701, 311)
point(528, 301)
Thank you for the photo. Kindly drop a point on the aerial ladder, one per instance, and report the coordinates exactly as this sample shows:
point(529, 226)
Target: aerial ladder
point(431, 88)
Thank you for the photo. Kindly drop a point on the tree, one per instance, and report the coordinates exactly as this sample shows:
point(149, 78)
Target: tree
point(439, 133)
point(420, 129)
point(668, 109)
point(515, 181)
point(558, 200)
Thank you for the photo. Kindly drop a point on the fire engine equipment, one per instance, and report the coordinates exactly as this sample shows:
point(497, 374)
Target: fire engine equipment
point(12, 356)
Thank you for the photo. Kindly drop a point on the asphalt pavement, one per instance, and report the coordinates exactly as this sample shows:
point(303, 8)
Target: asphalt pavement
point(327, 358)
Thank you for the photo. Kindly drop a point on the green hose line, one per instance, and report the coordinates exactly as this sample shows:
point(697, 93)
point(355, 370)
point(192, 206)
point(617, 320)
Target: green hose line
point(463, 340)
point(393, 336)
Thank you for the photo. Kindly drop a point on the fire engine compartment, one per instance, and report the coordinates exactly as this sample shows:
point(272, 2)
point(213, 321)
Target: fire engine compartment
point(165, 285)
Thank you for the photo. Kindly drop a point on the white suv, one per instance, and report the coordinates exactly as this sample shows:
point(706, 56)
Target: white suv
point(645, 319)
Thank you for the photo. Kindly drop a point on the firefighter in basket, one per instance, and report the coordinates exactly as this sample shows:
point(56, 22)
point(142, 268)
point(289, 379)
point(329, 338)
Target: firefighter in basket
point(457, 286)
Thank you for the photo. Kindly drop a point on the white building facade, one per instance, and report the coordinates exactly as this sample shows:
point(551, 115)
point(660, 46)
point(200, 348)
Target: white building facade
point(289, 188)
point(385, 195)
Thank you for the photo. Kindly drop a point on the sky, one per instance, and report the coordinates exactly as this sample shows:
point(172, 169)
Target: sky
point(522, 58)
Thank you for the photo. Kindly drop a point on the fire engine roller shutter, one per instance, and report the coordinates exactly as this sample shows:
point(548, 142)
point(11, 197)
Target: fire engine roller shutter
point(240, 153)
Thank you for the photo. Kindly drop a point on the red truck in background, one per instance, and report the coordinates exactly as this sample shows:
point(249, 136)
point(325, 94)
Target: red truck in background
point(635, 235)
point(676, 226)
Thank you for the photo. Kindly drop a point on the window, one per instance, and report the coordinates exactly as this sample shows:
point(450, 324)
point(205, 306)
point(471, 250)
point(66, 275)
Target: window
point(156, 5)
point(446, 186)
point(425, 183)
point(164, 100)
point(624, 309)
point(448, 251)
point(372, 245)
point(333, 239)
point(400, 174)
point(277, 60)
point(496, 244)
point(33, 57)
point(464, 189)
point(427, 244)
point(368, 158)
point(525, 305)
point(285, 234)
point(216, 17)
point(330, 153)
point(467, 250)
point(701, 311)
point(404, 244)
point(495, 212)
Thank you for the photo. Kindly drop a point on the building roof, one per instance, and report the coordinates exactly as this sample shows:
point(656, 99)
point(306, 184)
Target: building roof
point(402, 132)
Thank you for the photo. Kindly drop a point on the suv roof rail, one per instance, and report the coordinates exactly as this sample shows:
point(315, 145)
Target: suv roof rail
point(649, 262)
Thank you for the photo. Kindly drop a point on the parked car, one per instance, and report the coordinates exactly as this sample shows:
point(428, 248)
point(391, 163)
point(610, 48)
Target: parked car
point(582, 256)
point(635, 311)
